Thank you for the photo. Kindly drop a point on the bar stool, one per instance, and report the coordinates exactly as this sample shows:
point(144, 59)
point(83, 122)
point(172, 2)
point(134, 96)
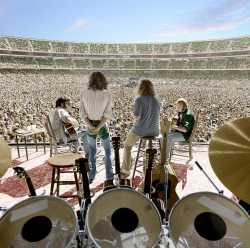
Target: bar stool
point(64, 163)
point(141, 149)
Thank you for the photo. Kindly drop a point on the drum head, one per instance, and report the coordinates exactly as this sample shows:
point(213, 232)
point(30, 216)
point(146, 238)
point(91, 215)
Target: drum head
point(40, 221)
point(123, 218)
point(209, 220)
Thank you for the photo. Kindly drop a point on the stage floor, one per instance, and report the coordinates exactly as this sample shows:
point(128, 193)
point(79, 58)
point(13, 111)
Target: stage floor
point(13, 190)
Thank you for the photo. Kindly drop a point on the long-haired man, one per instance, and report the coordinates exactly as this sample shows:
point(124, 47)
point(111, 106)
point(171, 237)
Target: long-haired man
point(147, 113)
point(96, 111)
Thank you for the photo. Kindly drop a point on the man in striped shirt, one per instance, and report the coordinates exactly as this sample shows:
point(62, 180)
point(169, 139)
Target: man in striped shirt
point(96, 110)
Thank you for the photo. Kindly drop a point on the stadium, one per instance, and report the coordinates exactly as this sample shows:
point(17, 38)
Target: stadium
point(215, 59)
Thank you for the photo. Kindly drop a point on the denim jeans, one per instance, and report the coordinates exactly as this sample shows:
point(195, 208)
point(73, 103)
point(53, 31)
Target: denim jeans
point(172, 138)
point(80, 139)
point(92, 157)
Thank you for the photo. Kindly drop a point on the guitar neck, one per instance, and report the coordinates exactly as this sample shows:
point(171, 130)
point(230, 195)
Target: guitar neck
point(116, 146)
point(30, 186)
point(23, 174)
point(163, 156)
point(148, 176)
point(117, 162)
point(82, 164)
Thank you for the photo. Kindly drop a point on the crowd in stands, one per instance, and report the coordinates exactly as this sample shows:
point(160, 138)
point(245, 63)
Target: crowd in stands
point(212, 46)
point(27, 97)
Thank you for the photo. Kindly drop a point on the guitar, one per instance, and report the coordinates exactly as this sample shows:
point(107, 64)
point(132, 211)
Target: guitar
point(148, 177)
point(69, 129)
point(116, 143)
point(83, 165)
point(21, 173)
point(158, 173)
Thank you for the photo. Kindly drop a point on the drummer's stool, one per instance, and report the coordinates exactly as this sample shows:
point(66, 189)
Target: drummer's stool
point(64, 163)
point(150, 141)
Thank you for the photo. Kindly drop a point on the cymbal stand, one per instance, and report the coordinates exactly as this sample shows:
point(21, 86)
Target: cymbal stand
point(221, 192)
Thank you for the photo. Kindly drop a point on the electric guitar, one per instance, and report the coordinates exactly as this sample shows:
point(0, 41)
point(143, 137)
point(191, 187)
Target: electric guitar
point(21, 173)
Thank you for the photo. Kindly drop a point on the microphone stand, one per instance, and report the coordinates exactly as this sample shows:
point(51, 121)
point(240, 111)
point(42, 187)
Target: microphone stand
point(221, 192)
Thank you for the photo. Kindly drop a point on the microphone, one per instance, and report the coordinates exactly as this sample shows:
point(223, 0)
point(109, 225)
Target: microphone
point(170, 106)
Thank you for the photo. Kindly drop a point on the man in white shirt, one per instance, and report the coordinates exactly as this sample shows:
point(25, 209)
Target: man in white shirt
point(96, 110)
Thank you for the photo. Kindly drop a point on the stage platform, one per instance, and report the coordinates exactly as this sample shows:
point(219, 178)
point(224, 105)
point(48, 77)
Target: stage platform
point(13, 189)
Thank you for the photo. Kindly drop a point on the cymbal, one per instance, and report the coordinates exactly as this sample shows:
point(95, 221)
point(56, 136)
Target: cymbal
point(5, 158)
point(229, 155)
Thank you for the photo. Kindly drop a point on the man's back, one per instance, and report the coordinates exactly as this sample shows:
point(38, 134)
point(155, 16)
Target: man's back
point(96, 104)
point(147, 108)
point(57, 117)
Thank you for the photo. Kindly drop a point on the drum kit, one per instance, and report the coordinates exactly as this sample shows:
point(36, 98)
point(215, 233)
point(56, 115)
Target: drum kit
point(122, 217)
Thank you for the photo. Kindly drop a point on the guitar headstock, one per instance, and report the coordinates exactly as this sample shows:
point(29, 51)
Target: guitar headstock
point(116, 142)
point(20, 172)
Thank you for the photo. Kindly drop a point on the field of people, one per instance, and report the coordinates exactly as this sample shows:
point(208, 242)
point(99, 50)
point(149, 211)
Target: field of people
point(27, 97)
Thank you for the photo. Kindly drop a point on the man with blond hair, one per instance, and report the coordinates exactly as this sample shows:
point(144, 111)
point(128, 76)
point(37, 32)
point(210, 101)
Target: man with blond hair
point(182, 128)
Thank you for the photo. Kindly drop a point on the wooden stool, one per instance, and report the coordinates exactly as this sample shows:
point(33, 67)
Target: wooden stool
point(141, 148)
point(64, 163)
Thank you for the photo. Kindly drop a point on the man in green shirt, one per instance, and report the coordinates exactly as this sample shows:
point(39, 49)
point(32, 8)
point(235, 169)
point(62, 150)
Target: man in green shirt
point(182, 128)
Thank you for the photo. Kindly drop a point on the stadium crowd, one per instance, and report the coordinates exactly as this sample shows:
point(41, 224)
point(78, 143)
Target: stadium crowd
point(27, 97)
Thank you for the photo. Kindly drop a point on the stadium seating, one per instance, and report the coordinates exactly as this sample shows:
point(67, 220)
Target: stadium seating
point(40, 46)
point(149, 59)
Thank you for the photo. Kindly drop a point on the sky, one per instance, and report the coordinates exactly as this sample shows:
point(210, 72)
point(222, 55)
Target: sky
point(125, 20)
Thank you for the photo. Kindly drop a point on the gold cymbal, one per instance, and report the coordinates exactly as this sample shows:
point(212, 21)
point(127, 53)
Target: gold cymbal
point(229, 155)
point(5, 158)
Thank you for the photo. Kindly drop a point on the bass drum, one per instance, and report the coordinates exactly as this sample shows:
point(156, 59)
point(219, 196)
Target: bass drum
point(209, 220)
point(39, 221)
point(123, 218)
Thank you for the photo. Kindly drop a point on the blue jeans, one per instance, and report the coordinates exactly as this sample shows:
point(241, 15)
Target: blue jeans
point(92, 157)
point(80, 139)
point(172, 138)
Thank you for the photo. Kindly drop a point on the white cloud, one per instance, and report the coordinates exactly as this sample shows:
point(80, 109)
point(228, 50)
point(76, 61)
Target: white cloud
point(220, 17)
point(79, 24)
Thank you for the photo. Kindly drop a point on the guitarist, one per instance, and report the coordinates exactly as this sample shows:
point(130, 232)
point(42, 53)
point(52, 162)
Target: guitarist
point(59, 118)
point(182, 126)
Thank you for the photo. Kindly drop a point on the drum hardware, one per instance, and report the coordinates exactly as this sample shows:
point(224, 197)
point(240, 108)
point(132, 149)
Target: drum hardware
point(122, 217)
point(39, 221)
point(209, 179)
point(21, 173)
point(229, 156)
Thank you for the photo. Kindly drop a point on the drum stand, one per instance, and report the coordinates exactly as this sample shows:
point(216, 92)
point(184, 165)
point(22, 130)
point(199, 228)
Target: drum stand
point(221, 192)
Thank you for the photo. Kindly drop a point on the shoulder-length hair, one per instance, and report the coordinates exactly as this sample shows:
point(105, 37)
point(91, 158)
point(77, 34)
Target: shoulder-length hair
point(97, 81)
point(146, 88)
point(182, 101)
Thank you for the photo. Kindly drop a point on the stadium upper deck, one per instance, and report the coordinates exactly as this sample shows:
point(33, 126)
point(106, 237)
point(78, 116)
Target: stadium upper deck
point(222, 55)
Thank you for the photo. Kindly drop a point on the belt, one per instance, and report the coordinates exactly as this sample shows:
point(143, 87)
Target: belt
point(95, 123)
